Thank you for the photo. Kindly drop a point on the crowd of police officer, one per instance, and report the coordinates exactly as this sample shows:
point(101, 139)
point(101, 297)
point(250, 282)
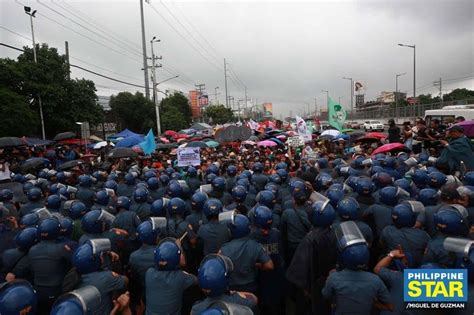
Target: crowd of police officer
point(333, 235)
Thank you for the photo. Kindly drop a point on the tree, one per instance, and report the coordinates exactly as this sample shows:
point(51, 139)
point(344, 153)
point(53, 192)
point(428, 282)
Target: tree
point(173, 119)
point(219, 114)
point(64, 101)
point(458, 95)
point(175, 112)
point(133, 111)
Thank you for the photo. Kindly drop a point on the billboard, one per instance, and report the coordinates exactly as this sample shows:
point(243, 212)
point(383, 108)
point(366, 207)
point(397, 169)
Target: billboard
point(268, 109)
point(193, 96)
point(203, 99)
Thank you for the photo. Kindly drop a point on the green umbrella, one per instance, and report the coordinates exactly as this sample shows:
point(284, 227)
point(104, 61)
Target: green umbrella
point(212, 144)
point(347, 130)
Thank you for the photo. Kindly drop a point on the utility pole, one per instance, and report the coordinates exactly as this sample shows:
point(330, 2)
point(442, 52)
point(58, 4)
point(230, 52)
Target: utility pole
point(225, 78)
point(145, 61)
point(200, 87)
point(67, 59)
point(352, 93)
point(155, 87)
point(397, 95)
point(32, 15)
point(215, 95)
point(439, 84)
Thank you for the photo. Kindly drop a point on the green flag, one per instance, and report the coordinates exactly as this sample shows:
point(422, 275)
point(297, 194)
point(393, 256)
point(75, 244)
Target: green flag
point(336, 115)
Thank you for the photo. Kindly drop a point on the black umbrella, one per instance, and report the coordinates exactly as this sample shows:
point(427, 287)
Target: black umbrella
point(17, 188)
point(70, 164)
point(33, 164)
point(197, 144)
point(166, 146)
point(64, 136)
point(11, 142)
point(117, 153)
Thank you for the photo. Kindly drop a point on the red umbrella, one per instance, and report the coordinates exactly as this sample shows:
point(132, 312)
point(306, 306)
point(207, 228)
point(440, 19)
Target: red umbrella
point(468, 126)
point(164, 140)
point(377, 135)
point(390, 147)
point(170, 133)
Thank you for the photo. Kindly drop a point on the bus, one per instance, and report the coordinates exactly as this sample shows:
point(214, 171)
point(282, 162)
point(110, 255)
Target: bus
point(447, 114)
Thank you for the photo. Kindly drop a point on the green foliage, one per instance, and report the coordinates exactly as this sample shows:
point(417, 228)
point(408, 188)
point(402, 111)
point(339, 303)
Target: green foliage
point(133, 111)
point(175, 112)
point(64, 100)
point(459, 94)
point(219, 114)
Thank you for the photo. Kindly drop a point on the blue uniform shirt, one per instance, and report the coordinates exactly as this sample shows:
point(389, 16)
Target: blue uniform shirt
point(86, 195)
point(141, 260)
point(143, 210)
point(213, 235)
point(413, 240)
point(382, 215)
point(244, 253)
point(435, 252)
point(49, 263)
point(164, 290)
point(394, 281)
point(28, 207)
point(354, 292)
point(230, 297)
point(296, 223)
point(128, 221)
point(196, 219)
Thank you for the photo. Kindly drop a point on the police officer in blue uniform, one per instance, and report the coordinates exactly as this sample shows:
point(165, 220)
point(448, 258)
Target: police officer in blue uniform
point(18, 297)
point(85, 193)
point(6, 197)
point(192, 179)
point(197, 217)
point(128, 221)
point(246, 254)
point(381, 212)
point(239, 194)
point(258, 180)
point(213, 234)
point(219, 191)
point(34, 201)
point(231, 177)
point(153, 188)
point(140, 205)
point(127, 187)
point(15, 262)
point(81, 301)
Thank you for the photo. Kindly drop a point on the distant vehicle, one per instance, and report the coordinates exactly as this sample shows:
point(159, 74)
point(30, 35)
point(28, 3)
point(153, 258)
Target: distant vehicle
point(373, 125)
point(353, 125)
point(447, 114)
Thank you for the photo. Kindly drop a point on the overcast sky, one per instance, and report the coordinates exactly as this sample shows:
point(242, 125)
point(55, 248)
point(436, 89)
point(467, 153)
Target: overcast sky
point(284, 52)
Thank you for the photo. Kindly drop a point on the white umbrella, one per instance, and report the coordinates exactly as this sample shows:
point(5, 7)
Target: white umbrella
point(102, 144)
point(331, 132)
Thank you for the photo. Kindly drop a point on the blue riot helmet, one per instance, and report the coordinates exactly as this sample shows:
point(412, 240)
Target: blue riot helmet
point(469, 178)
point(175, 189)
point(17, 297)
point(218, 184)
point(348, 209)
point(213, 169)
point(323, 163)
point(437, 179)
point(452, 220)
point(266, 198)
point(26, 238)
point(281, 166)
point(389, 162)
point(34, 194)
point(53, 189)
point(167, 255)
point(404, 184)
point(240, 227)
point(18, 178)
point(176, 206)
point(78, 302)
point(389, 195)
point(357, 163)
point(382, 179)
point(405, 213)
point(351, 181)
point(334, 195)
point(43, 174)
point(191, 171)
point(420, 178)
point(322, 214)
point(64, 192)
point(164, 179)
point(239, 193)
point(352, 246)
point(169, 171)
point(263, 217)
point(210, 178)
point(176, 176)
point(198, 200)
point(85, 181)
point(77, 210)
point(364, 186)
point(231, 170)
point(111, 184)
point(212, 207)
point(257, 167)
point(34, 218)
point(97, 221)
point(113, 176)
point(27, 186)
point(150, 230)
point(53, 202)
point(153, 183)
point(129, 179)
point(423, 158)
point(140, 195)
point(213, 275)
point(141, 185)
point(463, 248)
point(66, 227)
point(283, 173)
point(49, 229)
point(375, 169)
point(323, 181)
point(149, 174)
point(123, 202)
point(428, 197)
point(275, 178)
point(243, 182)
point(158, 207)
point(102, 197)
point(87, 257)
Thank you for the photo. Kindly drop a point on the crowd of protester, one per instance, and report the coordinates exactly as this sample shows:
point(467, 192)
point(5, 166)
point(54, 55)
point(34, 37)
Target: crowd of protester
point(326, 228)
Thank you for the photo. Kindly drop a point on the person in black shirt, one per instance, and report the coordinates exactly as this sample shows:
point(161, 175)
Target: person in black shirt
point(393, 132)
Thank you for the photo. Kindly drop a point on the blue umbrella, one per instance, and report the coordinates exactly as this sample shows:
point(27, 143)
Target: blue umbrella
point(277, 141)
point(129, 142)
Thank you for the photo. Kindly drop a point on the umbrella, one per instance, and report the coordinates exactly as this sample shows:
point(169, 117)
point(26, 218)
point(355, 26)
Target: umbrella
point(64, 136)
point(170, 133)
point(277, 141)
point(468, 126)
point(70, 164)
point(281, 137)
point(377, 135)
point(164, 140)
point(291, 133)
point(95, 138)
point(88, 156)
point(129, 142)
point(331, 132)
point(326, 137)
point(33, 164)
point(117, 153)
point(17, 188)
point(367, 139)
point(165, 146)
point(347, 130)
point(102, 144)
point(212, 144)
point(266, 143)
point(389, 147)
point(249, 142)
point(11, 142)
point(197, 144)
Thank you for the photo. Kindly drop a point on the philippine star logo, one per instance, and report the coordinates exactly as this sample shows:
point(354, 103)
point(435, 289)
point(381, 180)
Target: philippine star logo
point(435, 288)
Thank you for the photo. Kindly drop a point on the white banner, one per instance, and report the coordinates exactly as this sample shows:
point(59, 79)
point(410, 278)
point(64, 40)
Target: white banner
point(296, 141)
point(302, 129)
point(188, 157)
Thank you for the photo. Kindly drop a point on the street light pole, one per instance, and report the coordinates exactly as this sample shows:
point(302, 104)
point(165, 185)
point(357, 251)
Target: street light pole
point(414, 66)
point(153, 77)
point(215, 95)
point(396, 92)
point(145, 59)
point(40, 104)
point(352, 94)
